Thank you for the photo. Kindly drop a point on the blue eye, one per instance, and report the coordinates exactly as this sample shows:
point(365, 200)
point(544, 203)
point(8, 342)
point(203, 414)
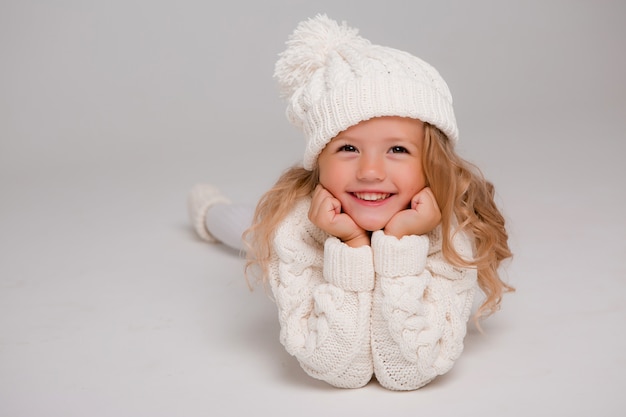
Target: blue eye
point(399, 149)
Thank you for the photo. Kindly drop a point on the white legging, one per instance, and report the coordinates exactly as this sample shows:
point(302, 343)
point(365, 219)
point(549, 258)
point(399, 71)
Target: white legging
point(227, 222)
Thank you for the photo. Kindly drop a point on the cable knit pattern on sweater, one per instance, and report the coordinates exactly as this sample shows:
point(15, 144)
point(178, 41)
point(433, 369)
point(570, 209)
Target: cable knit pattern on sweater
point(323, 290)
point(419, 314)
point(395, 308)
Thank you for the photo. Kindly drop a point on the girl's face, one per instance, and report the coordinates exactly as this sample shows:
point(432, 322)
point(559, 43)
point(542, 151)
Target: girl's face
point(374, 168)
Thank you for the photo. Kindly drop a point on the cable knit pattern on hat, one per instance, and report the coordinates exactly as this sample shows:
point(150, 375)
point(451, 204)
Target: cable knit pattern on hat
point(332, 79)
point(395, 309)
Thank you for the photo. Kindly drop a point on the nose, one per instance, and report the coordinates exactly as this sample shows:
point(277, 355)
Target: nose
point(371, 168)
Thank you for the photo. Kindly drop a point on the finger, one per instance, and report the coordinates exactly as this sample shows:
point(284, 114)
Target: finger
point(418, 199)
point(316, 192)
point(415, 201)
point(425, 195)
point(428, 192)
point(329, 207)
point(326, 198)
point(336, 204)
point(317, 200)
point(432, 198)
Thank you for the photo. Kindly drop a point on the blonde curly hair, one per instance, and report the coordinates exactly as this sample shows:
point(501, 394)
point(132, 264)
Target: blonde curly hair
point(460, 189)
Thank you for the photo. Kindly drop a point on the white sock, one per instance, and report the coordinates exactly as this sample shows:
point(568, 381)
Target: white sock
point(227, 222)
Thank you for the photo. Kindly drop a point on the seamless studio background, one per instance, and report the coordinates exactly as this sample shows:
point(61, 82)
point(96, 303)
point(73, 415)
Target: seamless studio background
point(111, 111)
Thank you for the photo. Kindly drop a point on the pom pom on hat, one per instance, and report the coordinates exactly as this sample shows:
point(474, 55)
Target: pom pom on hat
point(332, 79)
point(307, 51)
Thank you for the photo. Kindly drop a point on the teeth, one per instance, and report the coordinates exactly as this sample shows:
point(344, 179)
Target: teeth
point(371, 196)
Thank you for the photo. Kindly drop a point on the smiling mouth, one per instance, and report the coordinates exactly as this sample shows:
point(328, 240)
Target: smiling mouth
point(371, 196)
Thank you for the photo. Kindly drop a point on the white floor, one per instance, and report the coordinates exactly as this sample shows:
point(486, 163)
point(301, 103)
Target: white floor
point(111, 111)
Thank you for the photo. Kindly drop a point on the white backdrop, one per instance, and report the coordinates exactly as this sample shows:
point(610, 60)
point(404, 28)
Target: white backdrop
point(111, 110)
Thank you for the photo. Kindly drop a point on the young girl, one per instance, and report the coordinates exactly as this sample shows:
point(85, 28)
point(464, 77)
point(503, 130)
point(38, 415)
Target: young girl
point(375, 246)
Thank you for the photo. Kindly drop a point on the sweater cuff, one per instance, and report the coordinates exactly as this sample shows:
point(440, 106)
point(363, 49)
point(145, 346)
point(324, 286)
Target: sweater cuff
point(395, 257)
point(351, 269)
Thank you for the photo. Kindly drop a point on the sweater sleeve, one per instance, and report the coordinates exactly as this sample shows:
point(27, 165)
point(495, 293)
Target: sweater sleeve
point(323, 292)
point(421, 305)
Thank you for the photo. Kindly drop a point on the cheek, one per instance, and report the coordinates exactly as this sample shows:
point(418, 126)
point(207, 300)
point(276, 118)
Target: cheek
point(414, 182)
point(323, 177)
point(330, 175)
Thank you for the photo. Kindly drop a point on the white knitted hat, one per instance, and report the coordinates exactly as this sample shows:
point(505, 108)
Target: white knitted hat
point(333, 79)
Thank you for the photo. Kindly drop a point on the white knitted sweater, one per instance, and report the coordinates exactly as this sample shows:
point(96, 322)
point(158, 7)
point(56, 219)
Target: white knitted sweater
point(395, 309)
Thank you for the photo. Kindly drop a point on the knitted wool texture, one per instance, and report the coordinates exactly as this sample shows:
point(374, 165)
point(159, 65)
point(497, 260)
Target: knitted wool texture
point(395, 309)
point(332, 79)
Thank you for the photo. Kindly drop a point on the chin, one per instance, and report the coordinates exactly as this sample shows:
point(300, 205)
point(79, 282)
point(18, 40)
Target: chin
point(372, 226)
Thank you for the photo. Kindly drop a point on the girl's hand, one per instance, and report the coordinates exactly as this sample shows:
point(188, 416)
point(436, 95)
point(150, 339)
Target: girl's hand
point(325, 213)
point(423, 216)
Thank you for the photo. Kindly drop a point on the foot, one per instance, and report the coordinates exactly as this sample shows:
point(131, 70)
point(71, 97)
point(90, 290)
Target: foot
point(201, 198)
